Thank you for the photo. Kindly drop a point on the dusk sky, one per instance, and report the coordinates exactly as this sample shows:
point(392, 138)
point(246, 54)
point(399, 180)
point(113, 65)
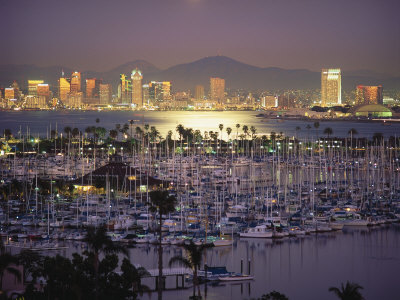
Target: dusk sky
point(101, 34)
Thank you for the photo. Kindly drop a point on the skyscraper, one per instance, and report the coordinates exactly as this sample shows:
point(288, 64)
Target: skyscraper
point(105, 94)
point(369, 94)
point(331, 87)
point(93, 88)
point(76, 82)
point(199, 92)
point(125, 89)
point(159, 92)
point(137, 95)
point(9, 93)
point(64, 87)
point(32, 87)
point(217, 89)
point(43, 91)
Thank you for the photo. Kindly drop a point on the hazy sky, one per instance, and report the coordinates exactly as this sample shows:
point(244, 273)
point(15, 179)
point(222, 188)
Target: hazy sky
point(101, 34)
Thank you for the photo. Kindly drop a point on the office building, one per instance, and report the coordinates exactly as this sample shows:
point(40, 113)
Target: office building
point(125, 89)
point(32, 87)
point(43, 90)
point(76, 82)
point(137, 95)
point(105, 93)
point(331, 87)
point(369, 94)
point(199, 92)
point(64, 88)
point(74, 100)
point(9, 93)
point(217, 90)
point(269, 101)
point(159, 92)
point(93, 88)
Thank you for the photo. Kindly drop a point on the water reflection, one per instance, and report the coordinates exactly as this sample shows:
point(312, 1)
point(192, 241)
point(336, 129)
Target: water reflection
point(39, 122)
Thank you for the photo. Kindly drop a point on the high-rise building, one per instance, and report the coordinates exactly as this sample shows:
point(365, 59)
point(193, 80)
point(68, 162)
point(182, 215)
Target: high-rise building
point(369, 94)
point(93, 88)
point(137, 95)
point(43, 89)
point(76, 82)
point(74, 100)
point(217, 89)
point(64, 88)
point(269, 101)
point(32, 87)
point(159, 92)
point(125, 89)
point(9, 93)
point(105, 93)
point(331, 87)
point(199, 92)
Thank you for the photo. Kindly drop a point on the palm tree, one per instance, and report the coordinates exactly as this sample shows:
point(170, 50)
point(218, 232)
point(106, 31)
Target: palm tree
point(97, 120)
point(163, 203)
point(350, 291)
point(328, 131)
point(98, 241)
point(113, 134)
point(75, 132)
point(220, 126)
point(193, 260)
point(297, 130)
point(274, 295)
point(7, 263)
point(253, 131)
point(228, 131)
point(7, 133)
point(67, 130)
point(316, 126)
point(308, 127)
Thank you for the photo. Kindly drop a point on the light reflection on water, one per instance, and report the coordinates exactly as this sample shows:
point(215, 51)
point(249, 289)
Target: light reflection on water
point(301, 268)
point(39, 122)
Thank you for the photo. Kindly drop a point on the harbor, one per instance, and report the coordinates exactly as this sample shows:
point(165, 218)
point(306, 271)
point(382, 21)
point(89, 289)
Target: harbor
point(240, 195)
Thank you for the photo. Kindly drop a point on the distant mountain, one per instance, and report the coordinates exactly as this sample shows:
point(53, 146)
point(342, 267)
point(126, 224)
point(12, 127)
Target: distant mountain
point(238, 75)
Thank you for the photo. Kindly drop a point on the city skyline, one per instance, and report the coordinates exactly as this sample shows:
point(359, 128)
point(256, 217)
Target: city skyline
point(287, 34)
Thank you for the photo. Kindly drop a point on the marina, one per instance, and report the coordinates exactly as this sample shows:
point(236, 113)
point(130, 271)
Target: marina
point(263, 192)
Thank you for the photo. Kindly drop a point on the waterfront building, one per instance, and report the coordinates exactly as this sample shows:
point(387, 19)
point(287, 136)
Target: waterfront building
point(217, 90)
point(76, 82)
point(371, 111)
point(146, 95)
point(93, 88)
point(286, 101)
point(35, 102)
point(137, 95)
point(331, 87)
point(64, 88)
point(10, 93)
point(369, 94)
point(43, 89)
point(105, 93)
point(125, 89)
point(32, 87)
point(159, 92)
point(199, 92)
point(74, 100)
point(269, 101)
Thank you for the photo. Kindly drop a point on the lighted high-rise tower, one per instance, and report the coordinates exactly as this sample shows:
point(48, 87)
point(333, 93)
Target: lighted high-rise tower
point(331, 87)
point(137, 95)
point(76, 82)
point(217, 89)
